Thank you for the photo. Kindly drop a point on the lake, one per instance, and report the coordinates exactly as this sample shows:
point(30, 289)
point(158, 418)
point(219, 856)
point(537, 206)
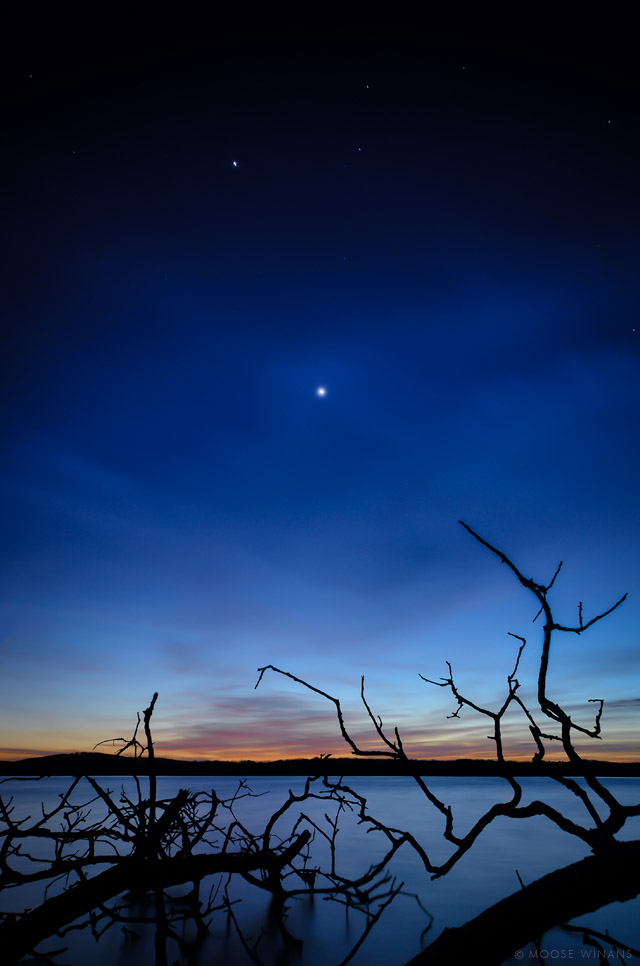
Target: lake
point(528, 848)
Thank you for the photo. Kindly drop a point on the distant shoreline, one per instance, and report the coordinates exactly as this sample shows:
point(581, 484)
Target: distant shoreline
point(100, 764)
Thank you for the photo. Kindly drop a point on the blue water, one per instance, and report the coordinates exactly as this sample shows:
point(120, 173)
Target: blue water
point(484, 875)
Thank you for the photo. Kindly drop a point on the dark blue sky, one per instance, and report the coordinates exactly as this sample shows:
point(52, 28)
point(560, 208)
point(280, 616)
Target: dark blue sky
point(202, 227)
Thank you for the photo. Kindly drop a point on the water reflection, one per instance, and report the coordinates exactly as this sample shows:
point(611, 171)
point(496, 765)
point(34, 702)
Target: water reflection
point(326, 927)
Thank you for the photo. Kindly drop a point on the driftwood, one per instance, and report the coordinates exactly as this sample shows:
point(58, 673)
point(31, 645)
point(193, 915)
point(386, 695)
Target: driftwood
point(150, 845)
point(131, 873)
point(507, 926)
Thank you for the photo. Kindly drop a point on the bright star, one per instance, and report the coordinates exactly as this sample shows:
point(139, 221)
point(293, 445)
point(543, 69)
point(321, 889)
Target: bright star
point(321, 391)
point(235, 164)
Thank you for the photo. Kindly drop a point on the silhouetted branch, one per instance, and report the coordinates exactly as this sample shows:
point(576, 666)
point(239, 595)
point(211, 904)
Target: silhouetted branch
point(151, 755)
point(498, 932)
point(548, 707)
point(372, 920)
point(394, 751)
point(131, 873)
point(155, 844)
point(130, 743)
point(496, 716)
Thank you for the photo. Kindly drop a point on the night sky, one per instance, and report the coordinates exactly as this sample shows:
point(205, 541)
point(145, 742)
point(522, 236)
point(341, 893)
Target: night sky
point(201, 228)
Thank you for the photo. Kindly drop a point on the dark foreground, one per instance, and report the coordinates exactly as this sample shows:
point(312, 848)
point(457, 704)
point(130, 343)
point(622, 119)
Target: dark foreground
point(95, 763)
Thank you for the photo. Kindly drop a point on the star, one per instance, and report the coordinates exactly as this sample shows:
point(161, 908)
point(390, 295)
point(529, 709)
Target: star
point(234, 164)
point(321, 391)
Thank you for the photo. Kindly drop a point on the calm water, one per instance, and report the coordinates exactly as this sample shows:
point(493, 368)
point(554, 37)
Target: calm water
point(484, 875)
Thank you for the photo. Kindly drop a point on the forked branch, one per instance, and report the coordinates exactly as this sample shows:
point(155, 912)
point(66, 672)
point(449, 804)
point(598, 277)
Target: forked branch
point(548, 707)
point(394, 748)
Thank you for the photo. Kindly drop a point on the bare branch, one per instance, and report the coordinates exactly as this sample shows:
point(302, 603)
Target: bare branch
point(343, 731)
point(594, 620)
point(565, 894)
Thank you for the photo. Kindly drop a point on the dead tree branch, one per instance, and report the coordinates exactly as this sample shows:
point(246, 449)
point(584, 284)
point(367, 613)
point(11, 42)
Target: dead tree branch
point(498, 932)
point(149, 844)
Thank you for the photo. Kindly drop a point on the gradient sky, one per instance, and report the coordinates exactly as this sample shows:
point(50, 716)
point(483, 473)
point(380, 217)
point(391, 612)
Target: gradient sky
point(201, 228)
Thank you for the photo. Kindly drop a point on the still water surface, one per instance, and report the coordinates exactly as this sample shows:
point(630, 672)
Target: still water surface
point(484, 875)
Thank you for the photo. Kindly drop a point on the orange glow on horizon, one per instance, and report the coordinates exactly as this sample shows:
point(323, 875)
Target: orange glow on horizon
point(292, 752)
point(260, 740)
